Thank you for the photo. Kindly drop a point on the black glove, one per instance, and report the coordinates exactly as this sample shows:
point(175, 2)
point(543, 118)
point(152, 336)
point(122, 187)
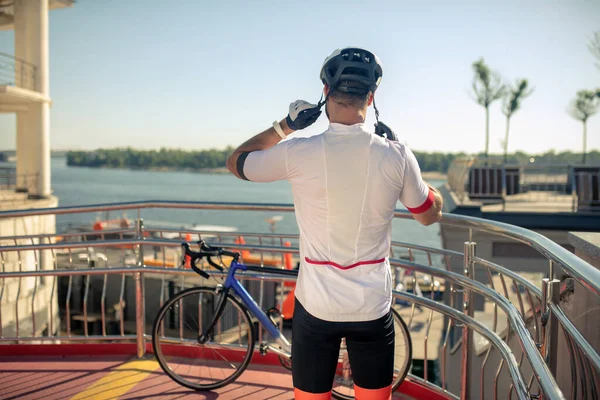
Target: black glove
point(302, 114)
point(385, 131)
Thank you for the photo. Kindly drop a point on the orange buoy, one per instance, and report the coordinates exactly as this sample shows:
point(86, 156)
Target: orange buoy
point(240, 240)
point(289, 264)
point(287, 257)
point(188, 259)
point(288, 305)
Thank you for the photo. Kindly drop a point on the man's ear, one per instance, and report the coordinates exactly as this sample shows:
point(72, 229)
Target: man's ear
point(326, 90)
point(371, 97)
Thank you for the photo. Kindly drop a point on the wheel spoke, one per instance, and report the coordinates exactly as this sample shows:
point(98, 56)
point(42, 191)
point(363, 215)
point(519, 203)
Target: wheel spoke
point(196, 365)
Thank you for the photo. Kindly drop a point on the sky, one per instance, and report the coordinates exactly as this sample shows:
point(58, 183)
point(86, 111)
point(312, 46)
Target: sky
point(198, 74)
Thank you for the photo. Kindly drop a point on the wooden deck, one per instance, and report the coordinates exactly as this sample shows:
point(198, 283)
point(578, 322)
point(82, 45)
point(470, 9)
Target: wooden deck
point(56, 372)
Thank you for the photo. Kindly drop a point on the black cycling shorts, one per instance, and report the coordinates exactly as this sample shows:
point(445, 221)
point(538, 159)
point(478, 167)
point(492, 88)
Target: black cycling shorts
point(316, 348)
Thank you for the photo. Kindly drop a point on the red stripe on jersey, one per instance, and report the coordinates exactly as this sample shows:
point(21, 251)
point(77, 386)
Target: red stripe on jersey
point(308, 260)
point(425, 206)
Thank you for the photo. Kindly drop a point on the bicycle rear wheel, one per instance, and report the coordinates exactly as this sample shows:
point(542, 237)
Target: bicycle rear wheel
point(343, 384)
point(210, 365)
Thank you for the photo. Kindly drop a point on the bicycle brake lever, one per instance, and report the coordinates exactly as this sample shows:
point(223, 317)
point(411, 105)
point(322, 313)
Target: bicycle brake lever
point(198, 270)
point(214, 264)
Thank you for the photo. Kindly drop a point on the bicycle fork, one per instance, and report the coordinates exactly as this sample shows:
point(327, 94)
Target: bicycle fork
point(223, 292)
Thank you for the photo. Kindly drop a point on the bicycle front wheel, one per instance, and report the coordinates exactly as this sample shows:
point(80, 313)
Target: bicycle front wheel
point(210, 365)
point(343, 384)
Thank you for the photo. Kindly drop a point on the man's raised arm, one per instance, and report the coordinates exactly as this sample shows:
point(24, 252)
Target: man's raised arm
point(263, 141)
point(301, 115)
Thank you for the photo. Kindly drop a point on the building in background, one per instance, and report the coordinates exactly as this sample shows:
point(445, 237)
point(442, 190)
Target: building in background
point(24, 91)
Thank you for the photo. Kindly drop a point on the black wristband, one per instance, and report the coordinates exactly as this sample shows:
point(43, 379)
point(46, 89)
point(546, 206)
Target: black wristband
point(240, 165)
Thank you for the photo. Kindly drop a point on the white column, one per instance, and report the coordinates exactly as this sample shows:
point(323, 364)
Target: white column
point(23, 152)
point(22, 79)
point(39, 113)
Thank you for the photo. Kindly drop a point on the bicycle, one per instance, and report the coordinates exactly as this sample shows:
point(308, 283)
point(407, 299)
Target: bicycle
point(226, 344)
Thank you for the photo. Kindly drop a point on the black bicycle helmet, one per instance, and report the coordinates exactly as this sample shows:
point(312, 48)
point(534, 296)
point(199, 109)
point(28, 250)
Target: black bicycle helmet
point(355, 65)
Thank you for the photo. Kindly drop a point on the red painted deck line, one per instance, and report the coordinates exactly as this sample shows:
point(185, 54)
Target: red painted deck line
point(102, 349)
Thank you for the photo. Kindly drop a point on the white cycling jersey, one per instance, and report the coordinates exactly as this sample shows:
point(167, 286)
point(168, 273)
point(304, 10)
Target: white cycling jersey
point(346, 183)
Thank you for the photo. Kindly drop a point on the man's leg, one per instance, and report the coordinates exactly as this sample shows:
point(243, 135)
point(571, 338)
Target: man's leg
point(371, 351)
point(315, 351)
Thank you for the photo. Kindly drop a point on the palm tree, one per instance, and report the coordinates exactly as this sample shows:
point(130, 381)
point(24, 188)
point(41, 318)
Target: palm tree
point(583, 107)
point(594, 47)
point(512, 103)
point(487, 88)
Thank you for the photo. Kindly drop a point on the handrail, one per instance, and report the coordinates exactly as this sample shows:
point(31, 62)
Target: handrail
point(15, 71)
point(584, 272)
point(525, 340)
point(578, 268)
point(133, 242)
point(545, 379)
point(557, 255)
point(575, 334)
point(17, 59)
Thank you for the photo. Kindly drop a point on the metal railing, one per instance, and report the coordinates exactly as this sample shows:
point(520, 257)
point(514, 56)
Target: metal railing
point(518, 342)
point(16, 72)
point(10, 180)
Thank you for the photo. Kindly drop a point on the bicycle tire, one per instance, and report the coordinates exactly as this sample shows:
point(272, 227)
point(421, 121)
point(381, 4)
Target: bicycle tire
point(404, 368)
point(186, 344)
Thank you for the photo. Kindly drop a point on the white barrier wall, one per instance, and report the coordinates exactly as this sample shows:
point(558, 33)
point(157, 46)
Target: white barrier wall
point(27, 296)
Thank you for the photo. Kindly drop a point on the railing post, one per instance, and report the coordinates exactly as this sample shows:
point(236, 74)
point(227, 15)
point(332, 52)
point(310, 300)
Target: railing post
point(574, 197)
point(503, 186)
point(550, 294)
point(139, 234)
point(467, 334)
point(139, 316)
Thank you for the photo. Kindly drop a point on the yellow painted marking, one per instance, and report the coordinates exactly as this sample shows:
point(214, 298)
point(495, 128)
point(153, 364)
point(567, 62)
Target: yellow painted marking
point(118, 382)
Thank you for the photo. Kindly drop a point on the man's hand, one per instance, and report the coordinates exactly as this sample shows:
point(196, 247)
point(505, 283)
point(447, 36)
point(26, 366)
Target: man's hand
point(302, 114)
point(385, 131)
point(434, 214)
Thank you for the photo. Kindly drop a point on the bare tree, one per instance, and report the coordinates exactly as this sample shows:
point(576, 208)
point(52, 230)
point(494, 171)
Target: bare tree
point(594, 47)
point(582, 108)
point(512, 103)
point(487, 88)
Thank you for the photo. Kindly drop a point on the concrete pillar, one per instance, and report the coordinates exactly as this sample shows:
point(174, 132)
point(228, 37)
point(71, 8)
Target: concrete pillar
point(23, 153)
point(22, 79)
point(38, 140)
point(40, 150)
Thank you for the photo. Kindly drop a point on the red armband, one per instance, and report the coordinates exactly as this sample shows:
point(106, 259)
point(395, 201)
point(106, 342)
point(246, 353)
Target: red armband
point(425, 206)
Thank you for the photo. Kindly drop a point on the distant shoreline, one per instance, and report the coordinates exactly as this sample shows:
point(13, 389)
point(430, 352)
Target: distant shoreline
point(220, 170)
point(434, 175)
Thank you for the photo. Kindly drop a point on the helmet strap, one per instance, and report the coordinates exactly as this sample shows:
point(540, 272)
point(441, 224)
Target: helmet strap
point(376, 110)
point(321, 101)
point(324, 102)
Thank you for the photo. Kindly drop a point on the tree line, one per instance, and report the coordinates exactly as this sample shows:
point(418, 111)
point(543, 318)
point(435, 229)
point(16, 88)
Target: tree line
point(214, 159)
point(147, 159)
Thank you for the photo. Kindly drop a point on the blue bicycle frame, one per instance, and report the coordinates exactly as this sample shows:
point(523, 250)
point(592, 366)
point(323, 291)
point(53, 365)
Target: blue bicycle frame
point(231, 283)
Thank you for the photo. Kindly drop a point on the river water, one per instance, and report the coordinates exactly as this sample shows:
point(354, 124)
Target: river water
point(84, 186)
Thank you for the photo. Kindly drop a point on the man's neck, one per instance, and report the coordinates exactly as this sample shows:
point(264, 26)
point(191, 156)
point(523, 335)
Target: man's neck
point(346, 115)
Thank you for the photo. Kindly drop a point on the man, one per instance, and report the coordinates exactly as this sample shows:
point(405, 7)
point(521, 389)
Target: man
point(346, 183)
